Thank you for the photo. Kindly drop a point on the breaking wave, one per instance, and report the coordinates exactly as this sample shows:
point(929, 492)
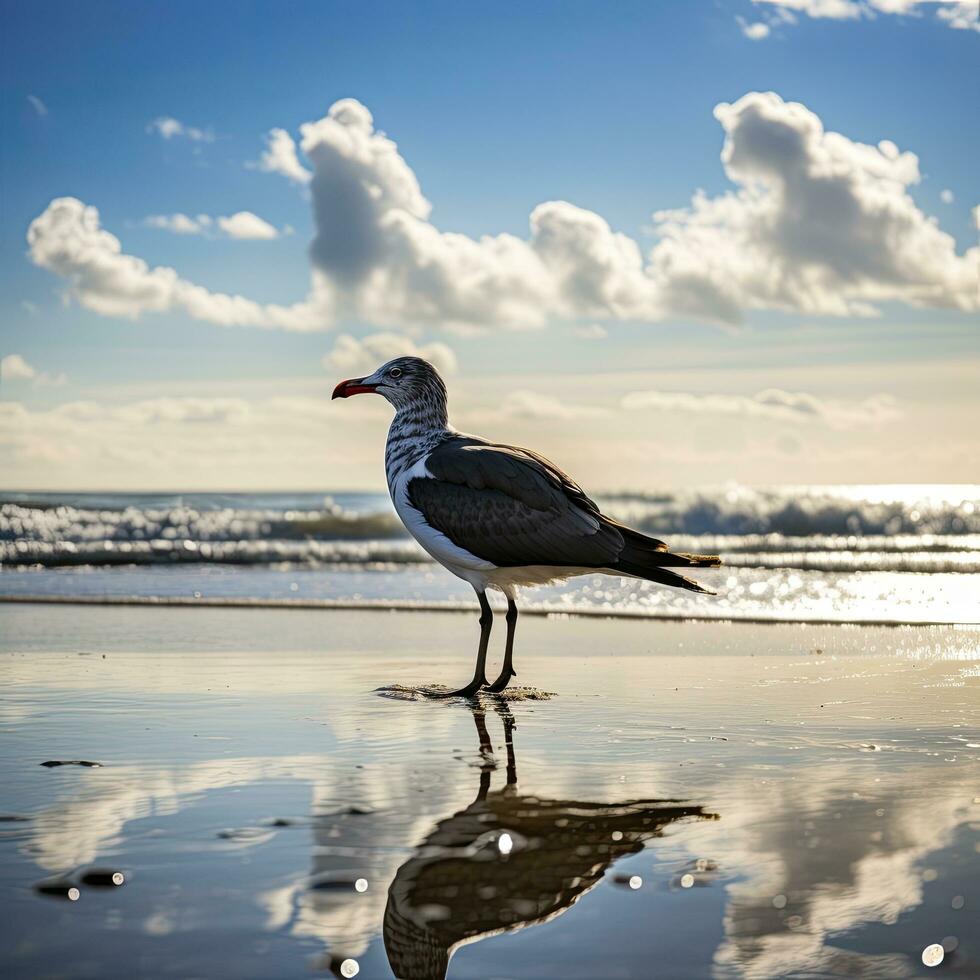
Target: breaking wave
point(915, 529)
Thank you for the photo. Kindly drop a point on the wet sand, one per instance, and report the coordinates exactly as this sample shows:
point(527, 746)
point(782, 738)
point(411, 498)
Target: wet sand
point(696, 799)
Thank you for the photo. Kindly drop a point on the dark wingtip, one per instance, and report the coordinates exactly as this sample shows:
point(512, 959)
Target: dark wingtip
point(693, 586)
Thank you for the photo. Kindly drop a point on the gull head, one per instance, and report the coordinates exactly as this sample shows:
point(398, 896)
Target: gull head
point(406, 382)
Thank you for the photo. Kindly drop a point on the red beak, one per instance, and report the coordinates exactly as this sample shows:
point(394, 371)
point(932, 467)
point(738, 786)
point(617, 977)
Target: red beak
point(353, 387)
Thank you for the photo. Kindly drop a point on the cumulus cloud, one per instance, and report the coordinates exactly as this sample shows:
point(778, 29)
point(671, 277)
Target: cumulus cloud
point(37, 105)
point(169, 128)
point(280, 157)
point(772, 404)
point(360, 357)
point(245, 224)
point(817, 223)
point(14, 367)
point(68, 240)
point(757, 31)
point(958, 14)
point(961, 15)
point(535, 405)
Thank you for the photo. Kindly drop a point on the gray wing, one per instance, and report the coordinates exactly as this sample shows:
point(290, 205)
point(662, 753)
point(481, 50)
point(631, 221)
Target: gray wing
point(511, 507)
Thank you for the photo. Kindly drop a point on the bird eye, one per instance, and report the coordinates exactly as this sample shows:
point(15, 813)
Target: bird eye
point(395, 372)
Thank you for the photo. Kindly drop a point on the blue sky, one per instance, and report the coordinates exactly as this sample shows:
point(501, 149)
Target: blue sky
point(494, 110)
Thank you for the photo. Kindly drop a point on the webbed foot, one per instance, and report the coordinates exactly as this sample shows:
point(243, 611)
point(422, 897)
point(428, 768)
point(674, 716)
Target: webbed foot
point(470, 691)
point(502, 681)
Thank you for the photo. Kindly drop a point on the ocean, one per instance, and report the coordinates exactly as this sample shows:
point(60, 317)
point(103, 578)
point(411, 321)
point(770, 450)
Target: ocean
point(846, 554)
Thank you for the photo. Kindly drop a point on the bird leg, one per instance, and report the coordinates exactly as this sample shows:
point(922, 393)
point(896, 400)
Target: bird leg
point(509, 742)
point(507, 671)
point(488, 764)
point(479, 674)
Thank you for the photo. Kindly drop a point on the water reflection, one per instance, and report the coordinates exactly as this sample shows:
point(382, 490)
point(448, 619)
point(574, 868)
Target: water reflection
point(840, 860)
point(507, 861)
point(248, 821)
point(498, 862)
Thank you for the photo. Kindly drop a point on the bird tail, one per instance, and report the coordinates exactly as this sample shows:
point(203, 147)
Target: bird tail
point(643, 558)
point(661, 575)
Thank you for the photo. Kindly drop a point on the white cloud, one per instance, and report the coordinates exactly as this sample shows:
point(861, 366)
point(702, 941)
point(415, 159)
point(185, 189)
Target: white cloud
point(37, 105)
point(179, 410)
point(179, 224)
point(591, 331)
point(208, 440)
point(874, 880)
point(535, 405)
point(976, 216)
point(168, 128)
point(834, 9)
point(959, 14)
point(771, 403)
point(818, 224)
point(241, 224)
point(280, 157)
point(67, 239)
point(360, 357)
point(245, 224)
point(947, 196)
point(757, 31)
point(13, 367)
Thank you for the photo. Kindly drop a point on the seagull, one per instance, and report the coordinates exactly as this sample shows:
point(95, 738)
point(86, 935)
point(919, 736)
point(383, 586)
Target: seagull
point(498, 516)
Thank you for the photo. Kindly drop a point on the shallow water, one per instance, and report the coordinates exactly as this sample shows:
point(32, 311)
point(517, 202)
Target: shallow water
point(698, 799)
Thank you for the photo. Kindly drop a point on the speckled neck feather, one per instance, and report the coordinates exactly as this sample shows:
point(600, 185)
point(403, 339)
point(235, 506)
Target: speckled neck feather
point(420, 424)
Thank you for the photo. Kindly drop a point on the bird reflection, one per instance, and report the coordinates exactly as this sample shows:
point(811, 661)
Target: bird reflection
point(507, 861)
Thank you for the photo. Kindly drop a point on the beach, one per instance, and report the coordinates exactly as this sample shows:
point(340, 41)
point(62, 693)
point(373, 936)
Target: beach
point(672, 799)
point(489, 492)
